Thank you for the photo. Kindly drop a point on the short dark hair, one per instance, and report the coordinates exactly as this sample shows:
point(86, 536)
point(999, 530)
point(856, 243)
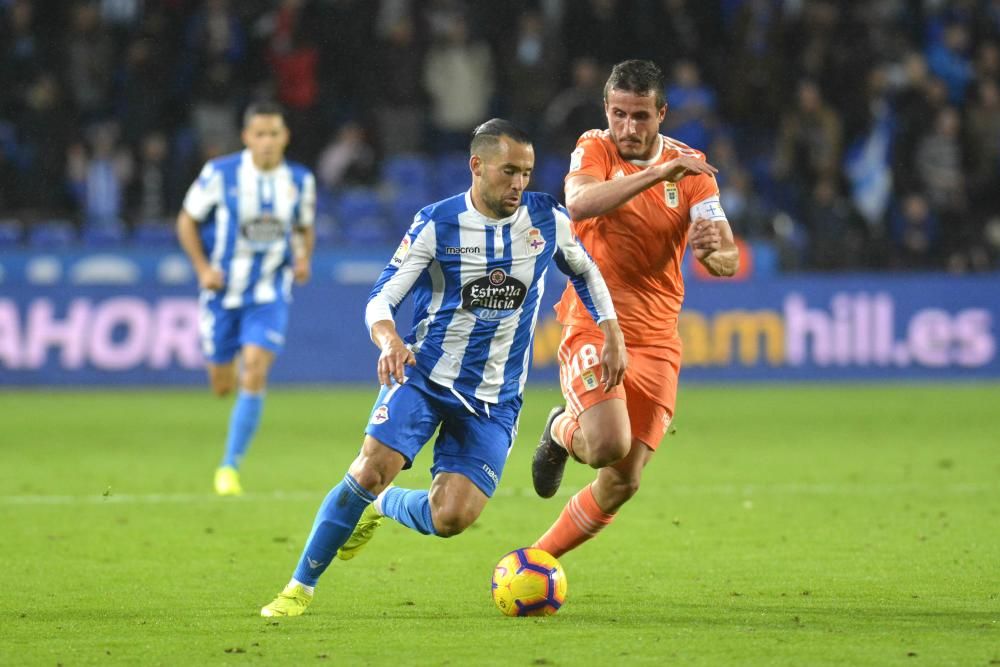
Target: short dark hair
point(487, 136)
point(642, 77)
point(263, 108)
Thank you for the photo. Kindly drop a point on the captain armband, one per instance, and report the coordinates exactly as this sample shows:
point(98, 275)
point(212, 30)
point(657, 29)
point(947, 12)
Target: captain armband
point(708, 209)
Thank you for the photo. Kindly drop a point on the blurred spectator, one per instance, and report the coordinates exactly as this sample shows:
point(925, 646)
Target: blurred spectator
point(947, 56)
point(294, 58)
point(533, 66)
point(23, 55)
point(939, 162)
point(98, 175)
point(348, 160)
point(748, 214)
point(142, 93)
point(983, 131)
point(576, 109)
point(399, 98)
point(148, 192)
point(89, 55)
point(692, 105)
point(595, 29)
point(917, 95)
point(809, 142)
point(914, 233)
point(752, 81)
point(45, 126)
point(460, 78)
point(836, 237)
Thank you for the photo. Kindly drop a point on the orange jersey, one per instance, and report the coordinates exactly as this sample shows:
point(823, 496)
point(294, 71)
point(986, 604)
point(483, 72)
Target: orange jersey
point(640, 245)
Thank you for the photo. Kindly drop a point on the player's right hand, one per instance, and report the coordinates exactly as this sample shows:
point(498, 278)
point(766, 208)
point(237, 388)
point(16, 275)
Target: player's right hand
point(211, 278)
point(393, 360)
point(685, 165)
point(614, 356)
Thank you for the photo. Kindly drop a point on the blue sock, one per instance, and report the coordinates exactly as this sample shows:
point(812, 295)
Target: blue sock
point(243, 423)
point(334, 523)
point(410, 508)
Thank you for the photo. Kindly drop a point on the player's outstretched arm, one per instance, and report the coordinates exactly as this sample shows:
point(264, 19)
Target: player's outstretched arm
point(587, 196)
point(395, 355)
point(714, 246)
point(187, 235)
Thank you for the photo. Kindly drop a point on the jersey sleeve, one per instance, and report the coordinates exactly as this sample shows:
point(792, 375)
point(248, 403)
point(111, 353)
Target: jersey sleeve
point(590, 157)
point(412, 257)
point(205, 193)
point(572, 259)
point(307, 201)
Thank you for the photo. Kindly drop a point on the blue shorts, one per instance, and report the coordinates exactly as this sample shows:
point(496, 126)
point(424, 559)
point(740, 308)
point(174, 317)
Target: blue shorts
point(474, 445)
point(225, 330)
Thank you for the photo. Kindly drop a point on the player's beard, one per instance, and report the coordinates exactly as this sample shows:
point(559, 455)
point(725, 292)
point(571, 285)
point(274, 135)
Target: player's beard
point(499, 206)
point(632, 151)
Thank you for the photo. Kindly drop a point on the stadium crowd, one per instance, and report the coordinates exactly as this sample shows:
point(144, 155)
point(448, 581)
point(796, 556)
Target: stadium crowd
point(848, 135)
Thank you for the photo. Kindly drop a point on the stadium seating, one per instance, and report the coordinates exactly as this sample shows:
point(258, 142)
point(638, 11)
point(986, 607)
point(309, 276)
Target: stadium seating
point(154, 233)
point(406, 172)
point(453, 174)
point(360, 214)
point(10, 232)
point(51, 234)
point(104, 234)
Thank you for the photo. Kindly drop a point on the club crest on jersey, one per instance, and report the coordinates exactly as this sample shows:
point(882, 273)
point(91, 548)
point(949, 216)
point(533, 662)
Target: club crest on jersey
point(535, 241)
point(494, 296)
point(400, 254)
point(671, 194)
point(381, 415)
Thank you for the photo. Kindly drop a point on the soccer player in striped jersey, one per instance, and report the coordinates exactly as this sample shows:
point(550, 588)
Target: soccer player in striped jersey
point(638, 199)
point(475, 266)
point(247, 226)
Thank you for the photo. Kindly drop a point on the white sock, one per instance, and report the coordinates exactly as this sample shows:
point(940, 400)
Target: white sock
point(309, 589)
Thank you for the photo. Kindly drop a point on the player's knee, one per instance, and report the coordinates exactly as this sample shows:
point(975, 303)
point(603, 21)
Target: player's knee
point(253, 382)
point(222, 388)
point(625, 489)
point(449, 522)
point(609, 451)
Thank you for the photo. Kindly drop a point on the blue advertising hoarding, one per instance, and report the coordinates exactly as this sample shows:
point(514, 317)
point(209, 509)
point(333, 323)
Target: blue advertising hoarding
point(140, 326)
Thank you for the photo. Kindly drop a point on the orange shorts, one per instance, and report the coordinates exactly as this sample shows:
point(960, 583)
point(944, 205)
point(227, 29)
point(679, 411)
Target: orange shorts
point(649, 388)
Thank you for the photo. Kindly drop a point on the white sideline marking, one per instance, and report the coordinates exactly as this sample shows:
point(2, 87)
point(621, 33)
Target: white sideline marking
point(745, 491)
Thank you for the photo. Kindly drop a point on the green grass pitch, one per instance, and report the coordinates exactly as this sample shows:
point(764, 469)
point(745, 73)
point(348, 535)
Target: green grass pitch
point(795, 525)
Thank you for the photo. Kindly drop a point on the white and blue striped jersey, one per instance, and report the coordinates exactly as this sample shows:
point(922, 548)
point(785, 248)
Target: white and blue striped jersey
point(477, 284)
point(246, 218)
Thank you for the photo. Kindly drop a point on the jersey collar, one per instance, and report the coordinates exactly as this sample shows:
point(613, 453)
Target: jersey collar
point(486, 219)
point(656, 154)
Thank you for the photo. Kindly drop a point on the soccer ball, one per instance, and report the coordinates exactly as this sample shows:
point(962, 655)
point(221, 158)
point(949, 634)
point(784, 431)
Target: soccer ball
point(529, 582)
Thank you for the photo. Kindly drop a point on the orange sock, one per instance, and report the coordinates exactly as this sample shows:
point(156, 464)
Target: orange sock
point(579, 521)
point(563, 428)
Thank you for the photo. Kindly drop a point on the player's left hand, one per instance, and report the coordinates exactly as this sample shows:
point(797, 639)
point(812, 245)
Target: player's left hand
point(704, 238)
point(302, 270)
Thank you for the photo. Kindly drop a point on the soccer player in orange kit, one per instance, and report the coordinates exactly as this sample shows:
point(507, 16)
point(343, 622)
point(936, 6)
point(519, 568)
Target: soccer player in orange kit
point(636, 198)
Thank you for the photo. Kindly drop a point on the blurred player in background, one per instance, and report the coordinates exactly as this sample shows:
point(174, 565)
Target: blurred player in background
point(475, 264)
point(247, 226)
point(637, 198)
